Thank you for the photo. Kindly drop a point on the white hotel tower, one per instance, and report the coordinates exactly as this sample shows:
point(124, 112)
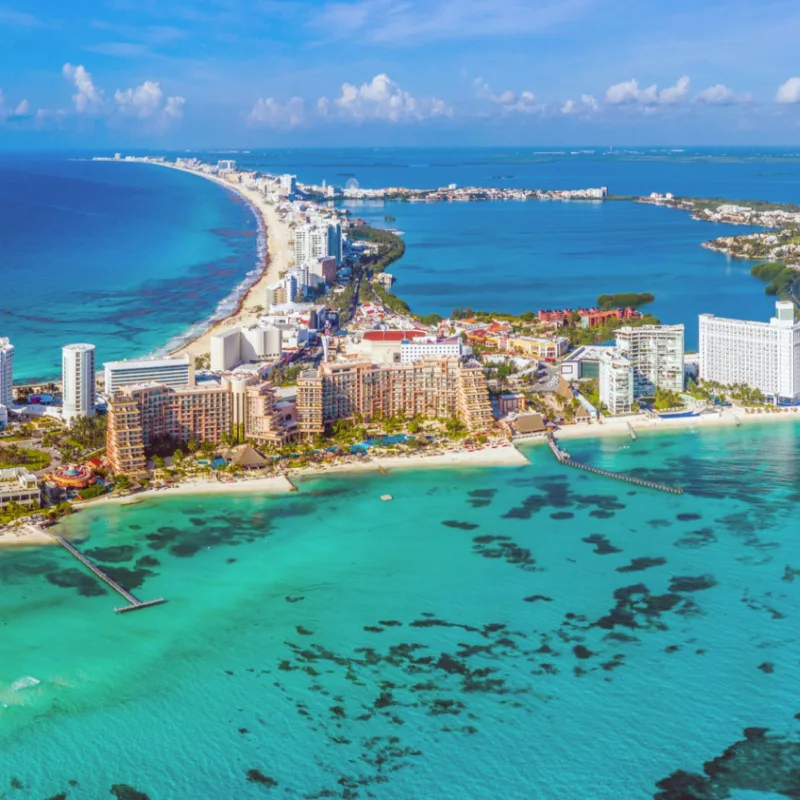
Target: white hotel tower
point(78, 381)
point(6, 372)
point(761, 355)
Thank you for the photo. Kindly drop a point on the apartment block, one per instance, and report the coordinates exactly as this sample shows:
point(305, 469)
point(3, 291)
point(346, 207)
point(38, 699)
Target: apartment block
point(656, 355)
point(430, 387)
point(616, 381)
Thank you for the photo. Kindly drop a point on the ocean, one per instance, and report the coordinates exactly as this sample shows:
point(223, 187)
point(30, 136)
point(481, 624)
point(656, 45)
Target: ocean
point(517, 633)
point(124, 256)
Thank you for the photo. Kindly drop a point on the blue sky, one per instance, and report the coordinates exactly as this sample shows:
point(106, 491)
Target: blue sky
point(249, 73)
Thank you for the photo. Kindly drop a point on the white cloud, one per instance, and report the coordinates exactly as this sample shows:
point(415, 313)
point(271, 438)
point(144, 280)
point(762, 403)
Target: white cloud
point(88, 99)
point(586, 106)
point(509, 102)
point(719, 95)
point(272, 114)
point(18, 113)
point(147, 102)
point(629, 93)
point(381, 99)
point(676, 93)
point(789, 92)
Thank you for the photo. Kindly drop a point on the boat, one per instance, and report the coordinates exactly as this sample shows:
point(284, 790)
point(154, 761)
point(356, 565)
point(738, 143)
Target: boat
point(386, 497)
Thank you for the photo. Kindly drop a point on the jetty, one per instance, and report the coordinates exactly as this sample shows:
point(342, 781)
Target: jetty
point(134, 604)
point(632, 431)
point(564, 458)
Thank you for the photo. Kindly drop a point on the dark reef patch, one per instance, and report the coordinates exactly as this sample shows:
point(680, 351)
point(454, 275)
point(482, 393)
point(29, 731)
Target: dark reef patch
point(687, 517)
point(696, 539)
point(256, 776)
point(503, 547)
point(73, 578)
point(692, 584)
point(534, 597)
point(562, 515)
point(480, 498)
point(112, 555)
point(758, 763)
point(124, 792)
point(464, 526)
point(603, 546)
point(642, 563)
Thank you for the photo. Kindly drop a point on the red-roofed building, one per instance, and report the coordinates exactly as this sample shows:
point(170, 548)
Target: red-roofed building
point(393, 336)
point(592, 317)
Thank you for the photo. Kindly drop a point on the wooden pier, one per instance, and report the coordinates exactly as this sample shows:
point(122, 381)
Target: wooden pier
point(564, 458)
point(133, 603)
point(632, 431)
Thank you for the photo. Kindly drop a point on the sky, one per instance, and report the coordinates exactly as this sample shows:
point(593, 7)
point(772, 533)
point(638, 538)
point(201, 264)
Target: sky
point(314, 73)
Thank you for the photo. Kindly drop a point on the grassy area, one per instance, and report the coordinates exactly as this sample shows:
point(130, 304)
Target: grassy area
point(14, 456)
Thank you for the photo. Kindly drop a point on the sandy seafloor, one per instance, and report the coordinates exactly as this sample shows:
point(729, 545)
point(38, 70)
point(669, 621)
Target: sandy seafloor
point(506, 632)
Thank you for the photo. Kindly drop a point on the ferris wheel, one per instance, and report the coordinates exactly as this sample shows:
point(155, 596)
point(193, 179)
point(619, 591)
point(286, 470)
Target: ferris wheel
point(352, 184)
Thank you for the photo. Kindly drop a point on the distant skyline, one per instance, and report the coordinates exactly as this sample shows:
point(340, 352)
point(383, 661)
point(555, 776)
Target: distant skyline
point(277, 73)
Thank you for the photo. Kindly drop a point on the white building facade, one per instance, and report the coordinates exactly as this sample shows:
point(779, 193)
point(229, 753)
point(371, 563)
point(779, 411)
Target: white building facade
point(430, 347)
point(318, 241)
point(761, 355)
point(173, 372)
point(656, 355)
point(616, 381)
point(78, 381)
point(6, 372)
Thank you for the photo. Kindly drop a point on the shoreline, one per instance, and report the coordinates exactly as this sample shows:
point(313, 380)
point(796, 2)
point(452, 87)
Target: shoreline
point(619, 427)
point(501, 456)
point(274, 261)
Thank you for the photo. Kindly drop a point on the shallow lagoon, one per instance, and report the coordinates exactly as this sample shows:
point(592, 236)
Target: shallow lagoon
point(528, 632)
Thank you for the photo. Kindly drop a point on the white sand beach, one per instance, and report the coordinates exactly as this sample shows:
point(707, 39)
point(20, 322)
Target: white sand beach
point(726, 417)
point(500, 456)
point(280, 256)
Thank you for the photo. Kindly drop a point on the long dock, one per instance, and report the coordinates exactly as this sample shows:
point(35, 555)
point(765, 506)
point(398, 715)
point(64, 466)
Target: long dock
point(564, 458)
point(133, 603)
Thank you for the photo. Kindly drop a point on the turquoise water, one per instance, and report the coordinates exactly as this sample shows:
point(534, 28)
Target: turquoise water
point(124, 256)
point(530, 632)
point(518, 256)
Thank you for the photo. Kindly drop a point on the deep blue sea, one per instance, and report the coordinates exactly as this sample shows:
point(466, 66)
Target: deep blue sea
point(129, 257)
point(123, 256)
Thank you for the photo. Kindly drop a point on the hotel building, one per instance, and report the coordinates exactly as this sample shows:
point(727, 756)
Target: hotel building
point(6, 372)
point(616, 381)
point(433, 387)
point(140, 415)
point(18, 485)
point(761, 355)
point(318, 241)
point(538, 347)
point(175, 372)
point(78, 381)
point(656, 355)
